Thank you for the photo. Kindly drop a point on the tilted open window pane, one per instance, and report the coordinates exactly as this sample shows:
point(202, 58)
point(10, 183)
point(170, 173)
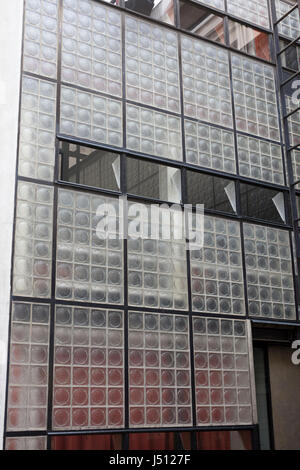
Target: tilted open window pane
point(262, 203)
point(249, 40)
point(215, 193)
point(152, 180)
point(200, 21)
point(162, 10)
point(90, 166)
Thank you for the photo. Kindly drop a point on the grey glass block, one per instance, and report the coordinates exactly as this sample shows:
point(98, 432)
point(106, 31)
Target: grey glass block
point(254, 11)
point(293, 121)
point(216, 269)
point(255, 99)
point(91, 46)
point(222, 372)
point(290, 26)
point(209, 147)
point(33, 241)
point(153, 132)
point(40, 37)
point(28, 369)
point(152, 65)
point(220, 4)
point(26, 443)
point(296, 166)
point(260, 160)
point(37, 129)
point(91, 117)
point(88, 368)
point(89, 264)
point(269, 270)
point(157, 265)
point(206, 82)
point(159, 370)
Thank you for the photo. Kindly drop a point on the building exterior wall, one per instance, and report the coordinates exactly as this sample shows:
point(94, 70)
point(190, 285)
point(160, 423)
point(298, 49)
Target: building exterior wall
point(114, 333)
point(11, 21)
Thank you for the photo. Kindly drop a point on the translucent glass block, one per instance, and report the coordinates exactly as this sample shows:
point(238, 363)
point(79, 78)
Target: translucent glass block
point(269, 273)
point(153, 132)
point(216, 269)
point(157, 267)
point(296, 166)
point(290, 25)
point(260, 160)
point(88, 368)
point(293, 126)
point(33, 241)
point(37, 131)
point(91, 46)
point(26, 443)
point(206, 82)
point(159, 371)
point(209, 147)
point(91, 117)
point(222, 372)
point(152, 66)
point(213, 3)
point(89, 264)
point(40, 37)
point(28, 367)
point(256, 107)
point(254, 11)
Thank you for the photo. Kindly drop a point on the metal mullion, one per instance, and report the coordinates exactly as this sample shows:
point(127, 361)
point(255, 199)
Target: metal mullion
point(289, 45)
point(282, 85)
point(286, 116)
point(285, 15)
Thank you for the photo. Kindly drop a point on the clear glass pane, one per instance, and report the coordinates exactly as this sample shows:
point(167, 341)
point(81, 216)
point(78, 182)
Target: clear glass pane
point(162, 10)
point(262, 203)
point(201, 22)
point(152, 180)
point(249, 40)
point(90, 166)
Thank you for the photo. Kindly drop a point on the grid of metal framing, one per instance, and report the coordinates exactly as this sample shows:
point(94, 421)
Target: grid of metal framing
point(39, 66)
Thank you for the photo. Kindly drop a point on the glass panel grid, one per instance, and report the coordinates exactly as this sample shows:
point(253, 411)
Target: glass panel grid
point(33, 241)
point(290, 26)
point(216, 269)
point(37, 132)
point(92, 117)
point(209, 147)
point(28, 368)
point(40, 37)
point(157, 268)
point(255, 11)
point(89, 264)
point(269, 272)
point(152, 67)
point(220, 4)
point(154, 133)
point(206, 82)
point(222, 375)
point(88, 368)
point(159, 370)
point(260, 160)
point(296, 166)
point(255, 98)
point(91, 46)
point(26, 443)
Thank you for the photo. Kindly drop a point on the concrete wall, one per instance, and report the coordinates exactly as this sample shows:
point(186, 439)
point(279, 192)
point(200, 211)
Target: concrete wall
point(11, 21)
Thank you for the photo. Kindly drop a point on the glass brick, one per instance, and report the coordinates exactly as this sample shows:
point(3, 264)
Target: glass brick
point(254, 11)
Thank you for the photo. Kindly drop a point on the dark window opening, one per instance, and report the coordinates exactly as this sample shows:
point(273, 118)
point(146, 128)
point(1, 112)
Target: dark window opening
point(262, 203)
point(201, 22)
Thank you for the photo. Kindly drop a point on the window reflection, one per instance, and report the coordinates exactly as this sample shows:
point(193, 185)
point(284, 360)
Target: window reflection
point(262, 203)
point(249, 40)
point(89, 166)
point(162, 10)
point(291, 56)
point(201, 22)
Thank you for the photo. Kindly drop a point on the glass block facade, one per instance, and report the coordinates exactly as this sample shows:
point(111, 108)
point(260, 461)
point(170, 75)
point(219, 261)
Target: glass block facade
point(222, 371)
point(290, 25)
point(159, 377)
point(115, 332)
point(88, 368)
point(28, 372)
point(269, 272)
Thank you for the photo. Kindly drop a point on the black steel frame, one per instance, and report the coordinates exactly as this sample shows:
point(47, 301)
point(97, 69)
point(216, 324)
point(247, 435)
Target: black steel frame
point(183, 166)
